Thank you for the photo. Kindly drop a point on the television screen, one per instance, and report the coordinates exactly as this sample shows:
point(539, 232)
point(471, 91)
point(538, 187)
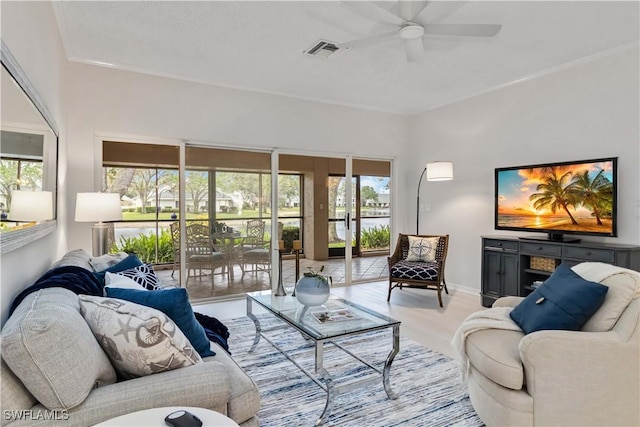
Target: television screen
point(569, 197)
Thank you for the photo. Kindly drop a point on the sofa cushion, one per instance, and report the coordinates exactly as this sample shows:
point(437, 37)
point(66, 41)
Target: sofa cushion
point(47, 344)
point(623, 286)
point(495, 353)
point(422, 248)
point(565, 301)
point(76, 257)
point(244, 398)
point(175, 304)
point(139, 340)
point(107, 260)
point(13, 394)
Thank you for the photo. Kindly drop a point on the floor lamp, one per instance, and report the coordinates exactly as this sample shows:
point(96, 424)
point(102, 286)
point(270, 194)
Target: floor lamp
point(436, 171)
point(98, 208)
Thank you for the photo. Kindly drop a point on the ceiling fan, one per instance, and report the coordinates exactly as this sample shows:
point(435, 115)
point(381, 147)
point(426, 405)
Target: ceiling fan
point(411, 28)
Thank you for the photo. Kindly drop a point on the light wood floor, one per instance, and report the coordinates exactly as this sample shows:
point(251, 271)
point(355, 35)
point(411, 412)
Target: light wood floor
point(423, 320)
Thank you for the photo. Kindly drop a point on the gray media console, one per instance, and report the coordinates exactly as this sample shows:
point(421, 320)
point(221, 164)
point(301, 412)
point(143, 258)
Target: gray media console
point(511, 265)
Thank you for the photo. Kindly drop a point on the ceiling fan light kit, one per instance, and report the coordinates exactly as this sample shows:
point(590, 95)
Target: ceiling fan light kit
point(411, 31)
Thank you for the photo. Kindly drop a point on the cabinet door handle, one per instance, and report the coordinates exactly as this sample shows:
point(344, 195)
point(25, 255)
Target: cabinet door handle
point(539, 248)
point(588, 253)
point(499, 244)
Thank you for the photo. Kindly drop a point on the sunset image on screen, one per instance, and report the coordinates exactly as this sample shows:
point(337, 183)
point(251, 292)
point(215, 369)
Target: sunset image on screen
point(576, 197)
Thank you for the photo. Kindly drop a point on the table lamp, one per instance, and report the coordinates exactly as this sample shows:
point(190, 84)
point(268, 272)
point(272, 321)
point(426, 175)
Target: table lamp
point(31, 206)
point(98, 208)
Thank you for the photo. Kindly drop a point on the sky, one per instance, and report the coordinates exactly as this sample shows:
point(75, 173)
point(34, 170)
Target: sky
point(375, 182)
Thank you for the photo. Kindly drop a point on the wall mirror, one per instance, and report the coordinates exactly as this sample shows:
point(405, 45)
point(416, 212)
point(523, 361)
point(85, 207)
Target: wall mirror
point(28, 152)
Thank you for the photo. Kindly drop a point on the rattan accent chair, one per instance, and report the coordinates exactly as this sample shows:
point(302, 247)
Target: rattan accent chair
point(418, 274)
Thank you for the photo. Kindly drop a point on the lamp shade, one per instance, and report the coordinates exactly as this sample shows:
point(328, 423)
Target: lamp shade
point(28, 206)
point(98, 207)
point(440, 171)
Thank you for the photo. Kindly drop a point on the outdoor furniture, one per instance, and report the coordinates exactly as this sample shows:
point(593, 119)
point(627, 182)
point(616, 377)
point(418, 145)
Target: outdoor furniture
point(413, 268)
point(224, 241)
point(254, 251)
point(201, 254)
point(175, 242)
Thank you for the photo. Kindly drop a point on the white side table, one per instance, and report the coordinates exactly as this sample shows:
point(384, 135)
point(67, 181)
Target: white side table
point(155, 418)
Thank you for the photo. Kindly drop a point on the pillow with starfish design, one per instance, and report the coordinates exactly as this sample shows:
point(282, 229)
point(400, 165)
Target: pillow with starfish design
point(138, 340)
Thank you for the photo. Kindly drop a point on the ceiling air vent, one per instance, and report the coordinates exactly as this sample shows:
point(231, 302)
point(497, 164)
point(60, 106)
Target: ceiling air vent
point(324, 49)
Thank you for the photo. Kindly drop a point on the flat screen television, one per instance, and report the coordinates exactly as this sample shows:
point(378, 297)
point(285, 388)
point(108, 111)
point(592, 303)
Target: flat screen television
point(577, 198)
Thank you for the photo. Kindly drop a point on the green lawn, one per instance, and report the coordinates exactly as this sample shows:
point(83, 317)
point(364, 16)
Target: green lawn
point(246, 213)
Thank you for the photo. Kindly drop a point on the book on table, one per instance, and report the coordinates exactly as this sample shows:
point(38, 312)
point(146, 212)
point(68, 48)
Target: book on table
point(332, 316)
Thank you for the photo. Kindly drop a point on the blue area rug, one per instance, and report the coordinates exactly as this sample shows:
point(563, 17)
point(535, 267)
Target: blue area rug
point(427, 382)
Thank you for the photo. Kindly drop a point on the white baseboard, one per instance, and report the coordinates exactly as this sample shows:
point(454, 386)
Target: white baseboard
point(463, 288)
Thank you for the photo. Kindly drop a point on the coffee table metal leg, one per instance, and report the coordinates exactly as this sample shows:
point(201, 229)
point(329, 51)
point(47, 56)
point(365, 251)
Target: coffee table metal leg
point(256, 322)
point(328, 381)
point(328, 406)
point(387, 364)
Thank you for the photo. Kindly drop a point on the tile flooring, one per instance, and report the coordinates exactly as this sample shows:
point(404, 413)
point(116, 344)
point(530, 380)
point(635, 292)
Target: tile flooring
point(363, 269)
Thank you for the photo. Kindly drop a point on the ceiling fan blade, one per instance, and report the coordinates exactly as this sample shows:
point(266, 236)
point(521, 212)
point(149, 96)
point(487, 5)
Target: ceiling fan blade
point(374, 12)
point(407, 9)
point(366, 41)
point(414, 49)
point(466, 30)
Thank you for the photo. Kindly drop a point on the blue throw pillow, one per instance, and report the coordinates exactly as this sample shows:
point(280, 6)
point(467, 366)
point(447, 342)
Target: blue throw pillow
point(174, 303)
point(564, 301)
point(129, 262)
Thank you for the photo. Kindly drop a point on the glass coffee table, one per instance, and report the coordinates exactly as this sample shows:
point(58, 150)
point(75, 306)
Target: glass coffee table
point(337, 318)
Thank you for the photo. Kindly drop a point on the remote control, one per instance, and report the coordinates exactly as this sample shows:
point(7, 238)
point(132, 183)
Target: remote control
point(182, 419)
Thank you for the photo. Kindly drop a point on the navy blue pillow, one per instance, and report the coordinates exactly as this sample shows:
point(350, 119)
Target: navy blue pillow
point(564, 301)
point(129, 262)
point(174, 303)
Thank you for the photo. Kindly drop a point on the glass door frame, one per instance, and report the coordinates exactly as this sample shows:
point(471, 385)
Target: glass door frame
point(354, 222)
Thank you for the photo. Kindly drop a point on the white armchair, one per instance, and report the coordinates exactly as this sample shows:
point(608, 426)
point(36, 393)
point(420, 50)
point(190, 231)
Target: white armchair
point(563, 378)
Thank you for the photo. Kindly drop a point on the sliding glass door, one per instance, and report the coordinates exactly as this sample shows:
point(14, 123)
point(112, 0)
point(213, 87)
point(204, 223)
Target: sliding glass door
point(314, 208)
point(339, 219)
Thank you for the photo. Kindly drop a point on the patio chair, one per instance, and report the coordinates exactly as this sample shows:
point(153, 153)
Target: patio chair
point(175, 241)
point(420, 265)
point(255, 251)
point(201, 254)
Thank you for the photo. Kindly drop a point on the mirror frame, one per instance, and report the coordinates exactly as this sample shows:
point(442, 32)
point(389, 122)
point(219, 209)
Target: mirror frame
point(18, 238)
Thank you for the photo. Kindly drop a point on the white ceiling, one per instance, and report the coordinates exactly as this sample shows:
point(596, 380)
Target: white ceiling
point(258, 45)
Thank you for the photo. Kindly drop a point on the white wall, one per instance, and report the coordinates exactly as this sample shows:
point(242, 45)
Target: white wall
point(103, 100)
point(30, 32)
point(589, 110)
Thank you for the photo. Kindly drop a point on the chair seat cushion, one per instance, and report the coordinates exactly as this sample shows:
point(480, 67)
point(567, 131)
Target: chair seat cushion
point(215, 256)
point(495, 353)
point(415, 270)
point(259, 254)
